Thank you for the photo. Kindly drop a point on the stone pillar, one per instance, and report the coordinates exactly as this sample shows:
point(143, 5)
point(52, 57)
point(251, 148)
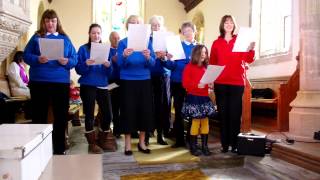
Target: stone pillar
point(304, 118)
point(14, 21)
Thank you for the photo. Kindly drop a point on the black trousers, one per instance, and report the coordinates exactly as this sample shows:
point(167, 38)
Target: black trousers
point(161, 104)
point(89, 95)
point(178, 93)
point(229, 103)
point(58, 94)
point(115, 103)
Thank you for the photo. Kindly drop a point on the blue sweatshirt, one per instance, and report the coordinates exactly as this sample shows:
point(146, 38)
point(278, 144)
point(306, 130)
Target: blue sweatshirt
point(158, 69)
point(177, 66)
point(52, 71)
point(135, 66)
point(115, 75)
point(93, 75)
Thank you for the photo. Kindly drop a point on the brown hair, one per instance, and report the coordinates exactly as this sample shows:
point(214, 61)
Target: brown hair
point(90, 28)
point(223, 20)
point(196, 54)
point(49, 14)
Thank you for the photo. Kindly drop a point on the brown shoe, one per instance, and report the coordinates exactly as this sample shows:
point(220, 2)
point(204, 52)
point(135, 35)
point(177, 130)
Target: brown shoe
point(107, 141)
point(93, 147)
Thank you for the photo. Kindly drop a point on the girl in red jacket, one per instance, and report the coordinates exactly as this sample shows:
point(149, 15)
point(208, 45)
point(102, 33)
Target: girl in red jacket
point(197, 105)
point(229, 86)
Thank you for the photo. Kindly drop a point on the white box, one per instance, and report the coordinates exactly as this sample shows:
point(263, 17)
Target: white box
point(25, 150)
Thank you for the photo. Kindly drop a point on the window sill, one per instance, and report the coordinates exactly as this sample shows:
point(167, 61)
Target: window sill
point(274, 59)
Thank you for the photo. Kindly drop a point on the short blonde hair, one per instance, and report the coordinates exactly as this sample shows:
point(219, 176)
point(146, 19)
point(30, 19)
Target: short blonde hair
point(131, 18)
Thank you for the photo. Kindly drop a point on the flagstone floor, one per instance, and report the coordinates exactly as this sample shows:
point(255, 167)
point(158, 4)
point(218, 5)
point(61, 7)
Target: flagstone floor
point(216, 166)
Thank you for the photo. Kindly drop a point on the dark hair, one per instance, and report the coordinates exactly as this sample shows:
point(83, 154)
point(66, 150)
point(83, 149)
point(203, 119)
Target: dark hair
point(221, 26)
point(90, 28)
point(196, 54)
point(49, 14)
point(18, 57)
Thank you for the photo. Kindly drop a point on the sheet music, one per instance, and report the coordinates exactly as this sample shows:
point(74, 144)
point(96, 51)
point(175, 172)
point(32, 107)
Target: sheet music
point(211, 74)
point(138, 36)
point(175, 48)
point(244, 38)
point(112, 86)
point(53, 49)
point(159, 40)
point(99, 52)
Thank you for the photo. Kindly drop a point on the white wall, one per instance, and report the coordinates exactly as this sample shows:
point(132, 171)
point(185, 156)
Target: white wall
point(172, 11)
point(241, 10)
point(214, 10)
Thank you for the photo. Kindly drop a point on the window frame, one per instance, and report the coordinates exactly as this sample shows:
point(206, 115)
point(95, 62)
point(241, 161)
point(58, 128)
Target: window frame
point(276, 57)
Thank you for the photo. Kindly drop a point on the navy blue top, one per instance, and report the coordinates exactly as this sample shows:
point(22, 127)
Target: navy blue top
point(92, 75)
point(115, 75)
point(52, 71)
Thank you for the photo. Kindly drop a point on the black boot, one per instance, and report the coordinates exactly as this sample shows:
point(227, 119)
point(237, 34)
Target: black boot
point(160, 139)
point(147, 138)
point(193, 147)
point(205, 148)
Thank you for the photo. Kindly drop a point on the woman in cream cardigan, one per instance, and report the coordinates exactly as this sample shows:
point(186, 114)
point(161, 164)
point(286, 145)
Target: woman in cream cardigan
point(18, 78)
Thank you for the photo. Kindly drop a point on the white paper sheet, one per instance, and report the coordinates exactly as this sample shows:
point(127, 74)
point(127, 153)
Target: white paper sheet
point(112, 86)
point(245, 37)
point(174, 47)
point(138, 36)
point(211, 74)
point(51, 48)
point(159, 40)
point(99, 52)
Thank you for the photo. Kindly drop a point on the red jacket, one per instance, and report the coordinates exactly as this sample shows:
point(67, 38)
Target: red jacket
point(191, 77)
point(234, 71)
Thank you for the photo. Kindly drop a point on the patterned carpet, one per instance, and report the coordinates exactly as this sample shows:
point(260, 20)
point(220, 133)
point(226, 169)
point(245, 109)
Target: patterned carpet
point(194, 174)
point(116, 165)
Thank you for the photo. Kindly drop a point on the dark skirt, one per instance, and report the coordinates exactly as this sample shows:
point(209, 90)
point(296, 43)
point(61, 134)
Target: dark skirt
point(197, 107)
point(136, 107)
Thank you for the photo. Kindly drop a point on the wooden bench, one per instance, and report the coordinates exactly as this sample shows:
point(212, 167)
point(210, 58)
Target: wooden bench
point(9, 107)
point(277, 107)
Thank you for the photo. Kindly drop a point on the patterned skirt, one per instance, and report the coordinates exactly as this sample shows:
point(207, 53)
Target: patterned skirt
point(197, 107)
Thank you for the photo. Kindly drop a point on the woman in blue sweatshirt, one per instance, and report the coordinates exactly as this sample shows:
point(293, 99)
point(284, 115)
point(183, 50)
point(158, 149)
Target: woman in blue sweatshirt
point(136, 91)
point(93, 87)
point(188, 31)
point(50, 80)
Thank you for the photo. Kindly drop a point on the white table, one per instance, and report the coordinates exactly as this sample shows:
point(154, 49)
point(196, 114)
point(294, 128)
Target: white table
point(74, 167)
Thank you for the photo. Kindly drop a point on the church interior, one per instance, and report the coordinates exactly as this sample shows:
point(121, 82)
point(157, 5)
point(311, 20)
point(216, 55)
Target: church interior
point(286, 114)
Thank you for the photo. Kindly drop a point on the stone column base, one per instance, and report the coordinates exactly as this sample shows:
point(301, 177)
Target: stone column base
point(304, 118)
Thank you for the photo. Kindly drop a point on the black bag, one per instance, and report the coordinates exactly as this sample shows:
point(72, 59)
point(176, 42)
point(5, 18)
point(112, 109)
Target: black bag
point(265, 93)
point(3, 97)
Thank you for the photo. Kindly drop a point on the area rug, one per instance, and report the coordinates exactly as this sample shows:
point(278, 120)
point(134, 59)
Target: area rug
point(162, 154)
point(195, 174)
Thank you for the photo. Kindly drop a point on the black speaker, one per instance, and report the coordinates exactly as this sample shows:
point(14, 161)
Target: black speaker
point(251, 144)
